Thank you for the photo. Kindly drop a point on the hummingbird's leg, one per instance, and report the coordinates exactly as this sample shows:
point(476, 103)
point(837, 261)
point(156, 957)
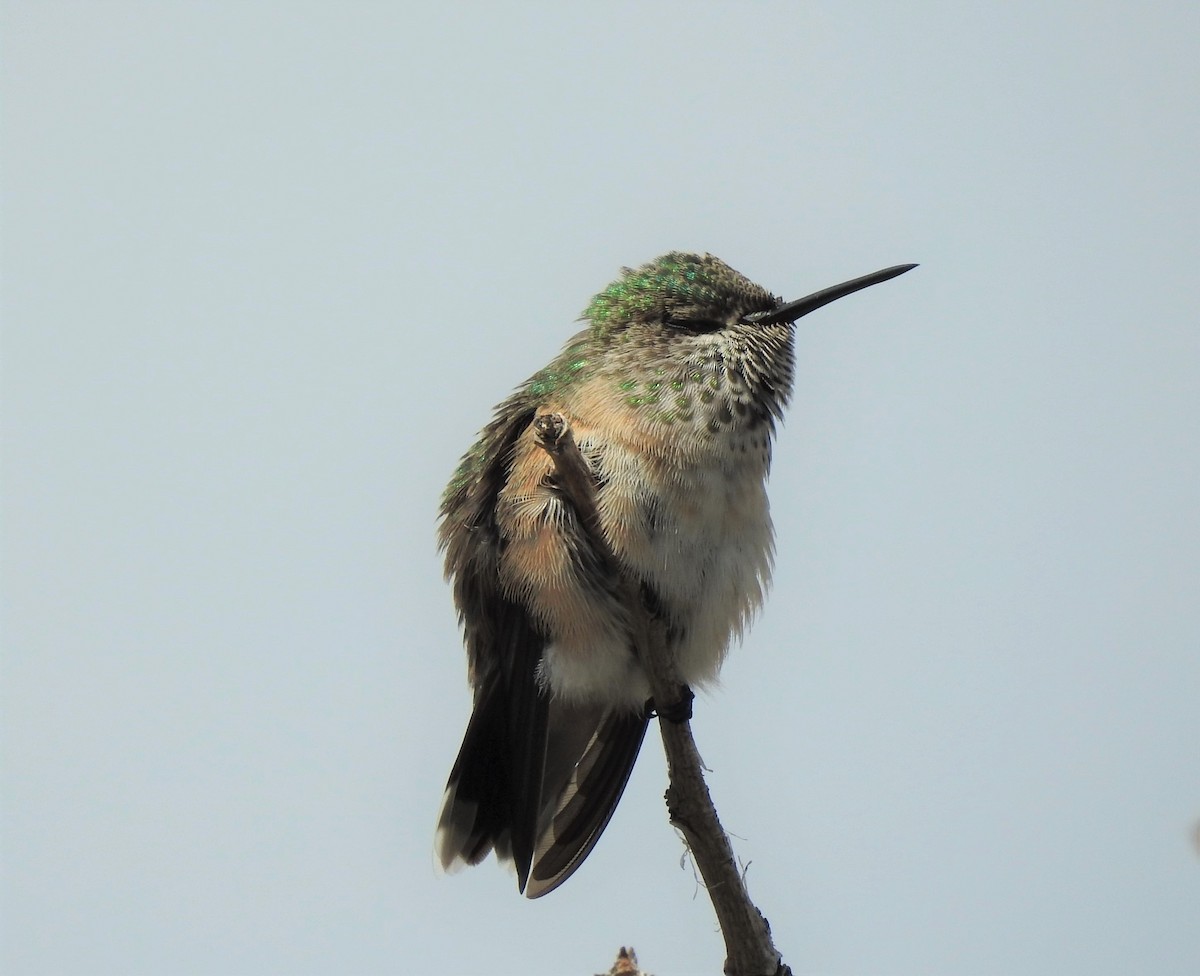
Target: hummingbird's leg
point(681, 709)
point(575, 480)
point(554, 437)
point(550, 429)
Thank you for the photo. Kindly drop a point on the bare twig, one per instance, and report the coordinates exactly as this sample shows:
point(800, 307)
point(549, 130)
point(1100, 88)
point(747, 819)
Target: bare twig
point(748, 945)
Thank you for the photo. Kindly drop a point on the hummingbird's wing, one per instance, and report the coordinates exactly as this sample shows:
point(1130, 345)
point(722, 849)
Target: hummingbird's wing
point(536, 779)
point(493, 795)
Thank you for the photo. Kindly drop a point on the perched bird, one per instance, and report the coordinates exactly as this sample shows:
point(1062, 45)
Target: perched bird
point(671, 393)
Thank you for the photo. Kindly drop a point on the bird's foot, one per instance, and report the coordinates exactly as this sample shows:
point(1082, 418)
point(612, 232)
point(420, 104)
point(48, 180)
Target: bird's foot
point(678, 712)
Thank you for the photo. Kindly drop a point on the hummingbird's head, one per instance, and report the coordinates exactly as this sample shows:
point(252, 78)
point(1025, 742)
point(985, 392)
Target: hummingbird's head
point(679, 339)
point(700, 293)
point(689, 292)
point(685, 338)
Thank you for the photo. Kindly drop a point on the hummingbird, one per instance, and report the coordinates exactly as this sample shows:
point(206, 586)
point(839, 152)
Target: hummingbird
point(672, 393)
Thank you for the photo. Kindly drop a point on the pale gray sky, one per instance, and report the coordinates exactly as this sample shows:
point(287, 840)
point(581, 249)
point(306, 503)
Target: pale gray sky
point(268, 266)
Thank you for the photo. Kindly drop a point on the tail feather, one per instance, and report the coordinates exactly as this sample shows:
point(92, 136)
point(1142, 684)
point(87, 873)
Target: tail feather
point(539, 792)
point(492, 798)
point(580, 810)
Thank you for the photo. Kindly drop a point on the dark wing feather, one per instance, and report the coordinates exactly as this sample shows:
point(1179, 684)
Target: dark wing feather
point(493, 796)
point(536, 780)
point(586, 801)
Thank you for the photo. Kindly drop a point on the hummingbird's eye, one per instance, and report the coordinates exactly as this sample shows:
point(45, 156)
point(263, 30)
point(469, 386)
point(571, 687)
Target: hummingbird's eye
point(695, 326)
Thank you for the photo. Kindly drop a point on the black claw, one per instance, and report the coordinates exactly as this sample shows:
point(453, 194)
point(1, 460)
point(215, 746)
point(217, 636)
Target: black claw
point(678, 713)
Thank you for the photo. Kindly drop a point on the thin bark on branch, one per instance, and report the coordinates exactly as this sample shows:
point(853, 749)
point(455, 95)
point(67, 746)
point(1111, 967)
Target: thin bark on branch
point(748, 945)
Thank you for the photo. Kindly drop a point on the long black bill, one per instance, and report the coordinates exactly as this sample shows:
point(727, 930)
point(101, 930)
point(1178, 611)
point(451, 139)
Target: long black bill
point(790, 311)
